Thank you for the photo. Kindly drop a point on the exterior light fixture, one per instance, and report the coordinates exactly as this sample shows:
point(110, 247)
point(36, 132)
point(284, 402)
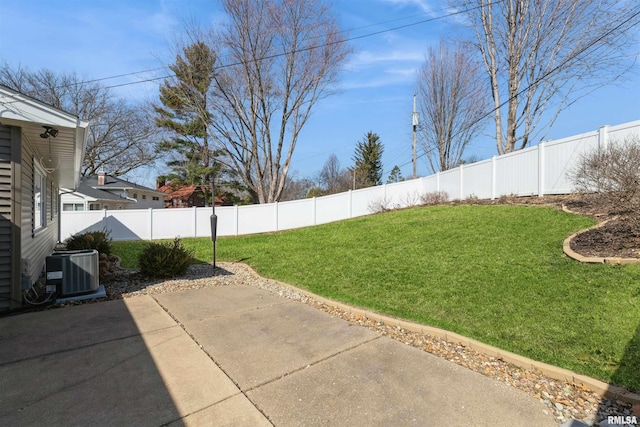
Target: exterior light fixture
point(48, 163)
point(48, 132)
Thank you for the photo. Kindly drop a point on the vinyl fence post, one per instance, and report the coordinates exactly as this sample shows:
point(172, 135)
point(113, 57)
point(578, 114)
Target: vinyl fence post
point(195, 221)
point(603, 138)
point(150, 219)
point(275, 214)
point(461, 182)
point(314, 213)
point(236, 214)
point(541, 166)
point(493, 178)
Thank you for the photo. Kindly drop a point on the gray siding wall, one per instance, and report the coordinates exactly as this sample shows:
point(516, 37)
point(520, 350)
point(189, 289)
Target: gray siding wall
point(36, 246)
point(7, 220)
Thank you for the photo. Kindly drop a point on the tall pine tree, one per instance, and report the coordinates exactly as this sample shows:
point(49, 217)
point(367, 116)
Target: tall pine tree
point(368, 161)
point(184, 113)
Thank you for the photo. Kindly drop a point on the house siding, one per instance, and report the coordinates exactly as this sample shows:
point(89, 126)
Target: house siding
point(147, 202)
point(7, 221)
point(36, 246)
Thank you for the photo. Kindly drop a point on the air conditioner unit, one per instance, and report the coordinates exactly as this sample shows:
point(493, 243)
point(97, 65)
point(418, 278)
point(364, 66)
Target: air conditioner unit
point(73, 272)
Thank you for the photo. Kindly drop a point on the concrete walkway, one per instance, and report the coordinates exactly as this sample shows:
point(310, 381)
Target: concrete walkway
point(234, 355)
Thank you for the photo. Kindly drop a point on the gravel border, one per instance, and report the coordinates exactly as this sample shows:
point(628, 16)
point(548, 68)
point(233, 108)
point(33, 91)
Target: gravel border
point(564, 400)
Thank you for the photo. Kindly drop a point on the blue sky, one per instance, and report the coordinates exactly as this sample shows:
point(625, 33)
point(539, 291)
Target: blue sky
point(100, 39)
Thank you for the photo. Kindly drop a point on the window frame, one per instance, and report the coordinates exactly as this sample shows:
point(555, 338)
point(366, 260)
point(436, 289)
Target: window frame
point(39, 210)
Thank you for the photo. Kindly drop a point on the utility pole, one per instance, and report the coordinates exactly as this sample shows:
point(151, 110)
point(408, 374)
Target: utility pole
point(414, 120)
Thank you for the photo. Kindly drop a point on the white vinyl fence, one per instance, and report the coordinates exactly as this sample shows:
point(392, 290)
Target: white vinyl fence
point(538, 170)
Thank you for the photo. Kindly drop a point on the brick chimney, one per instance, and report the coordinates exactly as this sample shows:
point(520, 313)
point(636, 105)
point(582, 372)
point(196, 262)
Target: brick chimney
point(101, 176)
point(160, 182)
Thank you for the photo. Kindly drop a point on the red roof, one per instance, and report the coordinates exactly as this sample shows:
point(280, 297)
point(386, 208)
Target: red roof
point(183, 194)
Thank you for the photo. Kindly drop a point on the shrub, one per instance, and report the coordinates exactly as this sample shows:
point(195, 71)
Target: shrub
point(108, 264)
point(507, 199)
point(164, 260)
point(472, 199)
point(98, 240)
point(378, 205)
point(613, 175)
point(435, 198)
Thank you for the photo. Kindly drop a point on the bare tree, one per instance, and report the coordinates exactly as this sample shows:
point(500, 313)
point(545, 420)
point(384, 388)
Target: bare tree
point(296, 189)
point(121, 136)
point(453, 104)
point(281, 58)
point(541, 55)
point(333, 178)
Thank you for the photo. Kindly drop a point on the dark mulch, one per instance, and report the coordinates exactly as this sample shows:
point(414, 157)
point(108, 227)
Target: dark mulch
point(614, 239)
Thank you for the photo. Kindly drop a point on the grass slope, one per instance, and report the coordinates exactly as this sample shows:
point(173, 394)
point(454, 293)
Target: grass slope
point(493, 273)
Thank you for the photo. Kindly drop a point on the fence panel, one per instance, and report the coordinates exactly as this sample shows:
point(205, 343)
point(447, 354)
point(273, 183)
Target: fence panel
point(203, 220)
point(450, 183)
point(366, 201)
point(79, 222)
point(624, 131)
point(128, 224)
point(560, 157)
point(227, 220)
point(517, 173)
point(477, 179)
point(295, 214)
point(257, 219)
point(430, 184)
point(404, 194)
point(171, 223)
point(333, 207)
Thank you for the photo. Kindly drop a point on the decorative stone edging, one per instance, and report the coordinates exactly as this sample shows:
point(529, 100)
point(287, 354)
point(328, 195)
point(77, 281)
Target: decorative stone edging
point(598, 387)
point(566, 247)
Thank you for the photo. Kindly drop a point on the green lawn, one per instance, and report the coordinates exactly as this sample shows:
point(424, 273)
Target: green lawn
point(493, 273)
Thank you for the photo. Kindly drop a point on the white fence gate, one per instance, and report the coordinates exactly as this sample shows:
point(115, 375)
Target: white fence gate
point(538, 170)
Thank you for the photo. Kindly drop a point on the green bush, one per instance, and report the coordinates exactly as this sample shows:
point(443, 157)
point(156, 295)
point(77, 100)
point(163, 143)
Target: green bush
point(164, 260)
point(98, 240)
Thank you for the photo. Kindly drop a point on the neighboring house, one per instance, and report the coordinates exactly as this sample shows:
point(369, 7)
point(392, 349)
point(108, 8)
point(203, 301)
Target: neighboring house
point(41, 150)
point(185, 196)
point(104, 191)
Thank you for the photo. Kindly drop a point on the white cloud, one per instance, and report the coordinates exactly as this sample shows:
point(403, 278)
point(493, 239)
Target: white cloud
point(423, 5)
point(384, 78)
point(367, 59)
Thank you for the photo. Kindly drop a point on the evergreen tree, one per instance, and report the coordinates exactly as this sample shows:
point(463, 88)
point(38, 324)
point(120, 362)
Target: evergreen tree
point(368, 161)
point(395, 175)
point(185, 115)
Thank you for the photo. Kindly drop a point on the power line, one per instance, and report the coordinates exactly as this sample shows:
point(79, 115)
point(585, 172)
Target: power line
point(277, 55)
point(551, 71)
point(331, 34)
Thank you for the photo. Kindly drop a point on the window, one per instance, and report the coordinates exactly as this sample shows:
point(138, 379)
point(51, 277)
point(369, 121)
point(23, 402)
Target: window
point(39, 200)
point(54, 202)
point(68, 207)
point(156, 198)
point(135, 195)
point(94, 206)
point(144, 197)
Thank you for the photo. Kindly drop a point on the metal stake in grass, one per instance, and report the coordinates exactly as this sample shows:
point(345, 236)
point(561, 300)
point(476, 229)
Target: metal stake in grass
point(214, 220)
